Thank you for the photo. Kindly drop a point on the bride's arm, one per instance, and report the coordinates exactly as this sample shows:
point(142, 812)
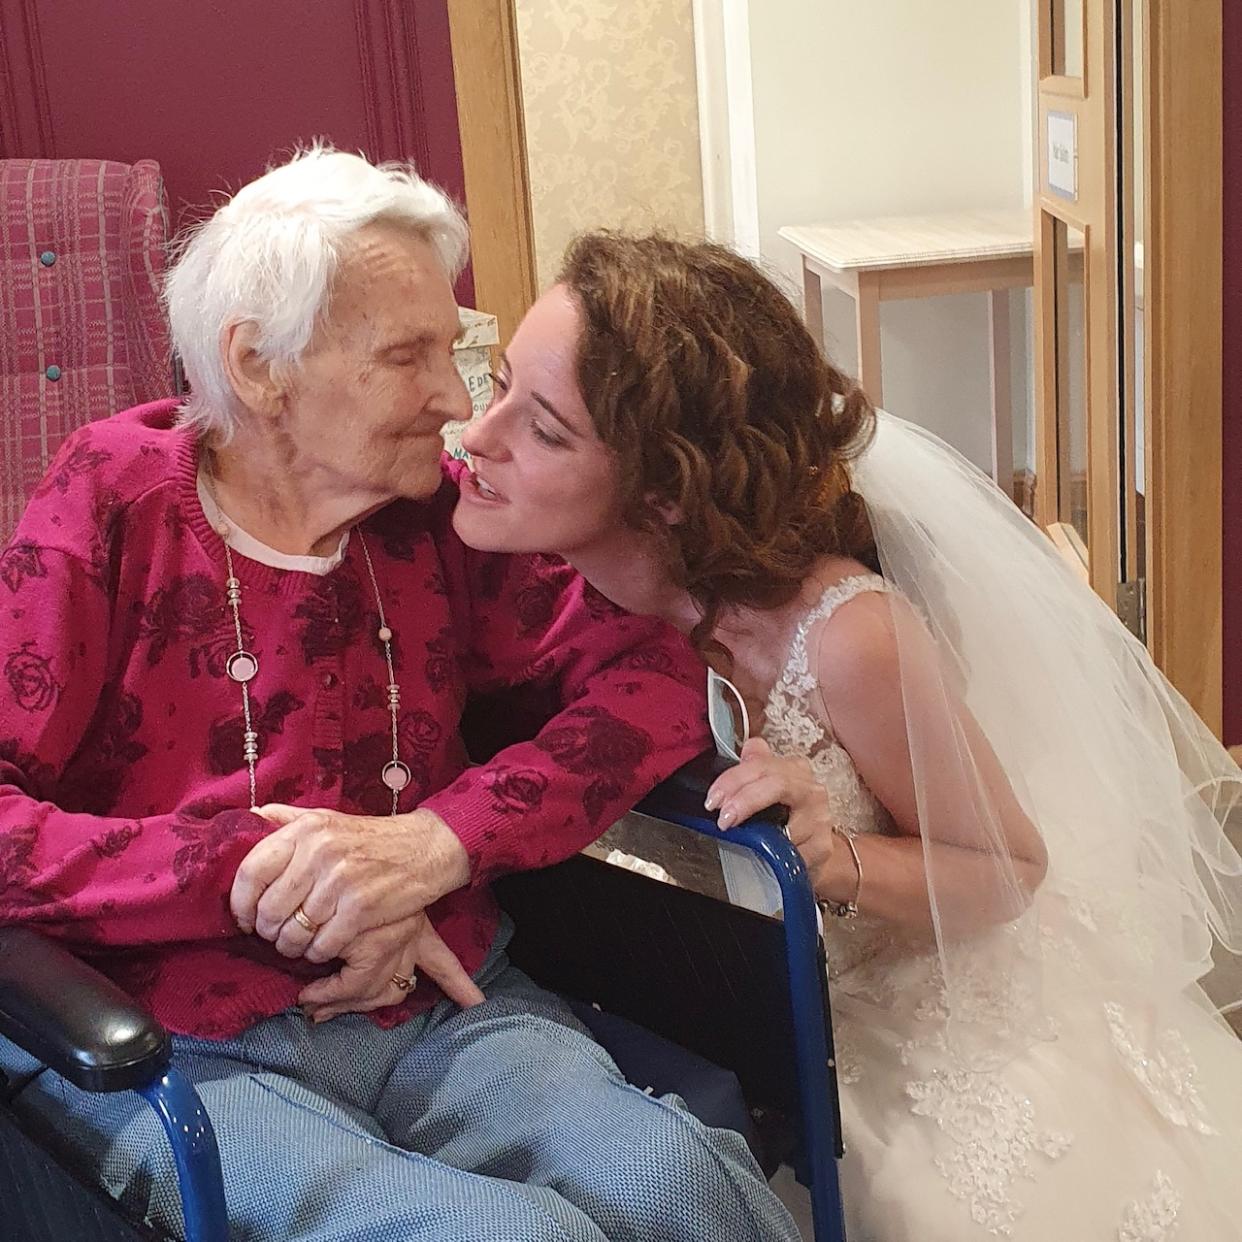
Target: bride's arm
point(915, 744)
point(982, 857)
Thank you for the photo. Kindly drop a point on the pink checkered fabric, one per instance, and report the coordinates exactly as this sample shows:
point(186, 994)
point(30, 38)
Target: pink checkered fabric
point(92, 314)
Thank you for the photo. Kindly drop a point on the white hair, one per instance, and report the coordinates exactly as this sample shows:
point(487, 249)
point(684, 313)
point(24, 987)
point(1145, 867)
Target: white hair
point(269, 256)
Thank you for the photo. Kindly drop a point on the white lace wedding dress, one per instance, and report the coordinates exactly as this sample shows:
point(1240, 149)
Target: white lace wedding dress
point(1112, 1123)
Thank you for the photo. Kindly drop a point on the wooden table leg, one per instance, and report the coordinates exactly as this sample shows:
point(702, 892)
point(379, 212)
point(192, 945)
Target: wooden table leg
point(813, 304)
point(867, 321)
point(1002, 396)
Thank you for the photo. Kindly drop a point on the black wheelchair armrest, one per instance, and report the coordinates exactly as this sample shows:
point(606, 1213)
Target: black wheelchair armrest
point(73, 1019)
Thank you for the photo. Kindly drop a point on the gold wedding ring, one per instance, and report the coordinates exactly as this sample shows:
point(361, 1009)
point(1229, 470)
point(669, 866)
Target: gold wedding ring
point(299, 917)
point(405, 982)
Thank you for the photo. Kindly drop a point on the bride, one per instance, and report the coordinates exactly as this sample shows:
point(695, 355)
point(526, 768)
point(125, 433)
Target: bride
point(1016, 827)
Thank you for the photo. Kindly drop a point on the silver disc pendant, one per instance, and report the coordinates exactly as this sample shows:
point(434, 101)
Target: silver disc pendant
point(395, 775)
point(242, 666)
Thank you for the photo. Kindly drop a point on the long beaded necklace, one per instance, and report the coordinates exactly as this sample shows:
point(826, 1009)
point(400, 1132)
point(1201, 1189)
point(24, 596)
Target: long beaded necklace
point(243, 667)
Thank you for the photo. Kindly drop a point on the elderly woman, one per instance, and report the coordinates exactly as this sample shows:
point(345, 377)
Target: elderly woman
point(257, 600)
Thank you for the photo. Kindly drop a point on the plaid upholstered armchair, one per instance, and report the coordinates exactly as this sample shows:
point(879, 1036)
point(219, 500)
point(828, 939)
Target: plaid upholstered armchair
point(82, 332)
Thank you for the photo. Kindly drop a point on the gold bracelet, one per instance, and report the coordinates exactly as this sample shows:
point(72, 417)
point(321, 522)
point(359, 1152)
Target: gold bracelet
point(847, 909)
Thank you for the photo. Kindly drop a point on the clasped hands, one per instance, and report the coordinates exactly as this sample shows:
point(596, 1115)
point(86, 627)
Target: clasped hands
point(327, 885)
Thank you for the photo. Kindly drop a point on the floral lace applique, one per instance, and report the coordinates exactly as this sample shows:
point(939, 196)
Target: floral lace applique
point(985, 997)
point(1153, 1219)
point(847, 1058)
point(1167, 1071)
point(793, 727)
point(993, 1137)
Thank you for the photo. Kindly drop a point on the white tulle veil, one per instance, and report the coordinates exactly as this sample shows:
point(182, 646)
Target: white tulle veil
point(1129, 790)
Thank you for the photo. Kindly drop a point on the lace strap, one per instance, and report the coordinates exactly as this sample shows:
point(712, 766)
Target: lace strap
point(796, 673)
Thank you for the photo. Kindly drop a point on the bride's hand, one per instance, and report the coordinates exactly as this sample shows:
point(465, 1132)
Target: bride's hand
point(762, 779)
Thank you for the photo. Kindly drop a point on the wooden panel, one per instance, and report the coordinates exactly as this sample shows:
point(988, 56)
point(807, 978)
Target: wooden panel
point(1231, 413)
point(1047, 509)
point(1183, 300)
point(493, 141)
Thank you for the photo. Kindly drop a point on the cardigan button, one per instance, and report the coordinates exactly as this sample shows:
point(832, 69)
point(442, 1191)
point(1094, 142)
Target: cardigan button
point(47, 258)
point(53, 373)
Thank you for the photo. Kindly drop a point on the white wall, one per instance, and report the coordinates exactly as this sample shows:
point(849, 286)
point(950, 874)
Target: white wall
point(891, 107)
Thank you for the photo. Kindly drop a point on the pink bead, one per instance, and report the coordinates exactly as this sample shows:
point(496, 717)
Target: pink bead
point(385, 634)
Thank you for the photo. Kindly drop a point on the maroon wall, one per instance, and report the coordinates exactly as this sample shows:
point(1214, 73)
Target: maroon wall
point(1232, 453)
point(215, 91)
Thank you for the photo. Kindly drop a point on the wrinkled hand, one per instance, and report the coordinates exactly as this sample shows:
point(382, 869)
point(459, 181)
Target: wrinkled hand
point(349, 874)
point(410, 947)
point(762, 779)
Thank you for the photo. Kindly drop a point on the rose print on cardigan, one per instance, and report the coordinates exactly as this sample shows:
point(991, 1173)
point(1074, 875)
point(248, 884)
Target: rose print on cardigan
point(362, 787)
point(175, 522)
point(19, 562)
point(207, 831)
point(20, 887)
point(17, 869)
point(419, 730)
point(592, 742)
point(114, 842)
point(35, 777)
point(78, 458)
point(95, 777)
point(418, 736)
point(30, 678)
point(589, 740)
point(492, 573)
point(599, 606)
point(211, 656)
point(369, 693)
point(536, 605)
point(654, 660)
point(190, 607)
point(440, 669)
point(332, 616)
point(516, 790)
point(226, 737)
point(599, 793)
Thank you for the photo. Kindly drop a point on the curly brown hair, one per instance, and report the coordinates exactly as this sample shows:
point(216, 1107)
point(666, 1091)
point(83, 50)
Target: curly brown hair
point(701, 377)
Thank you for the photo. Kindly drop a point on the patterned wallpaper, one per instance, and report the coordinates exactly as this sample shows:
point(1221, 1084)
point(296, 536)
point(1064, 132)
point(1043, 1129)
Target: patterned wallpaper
point(612, 130)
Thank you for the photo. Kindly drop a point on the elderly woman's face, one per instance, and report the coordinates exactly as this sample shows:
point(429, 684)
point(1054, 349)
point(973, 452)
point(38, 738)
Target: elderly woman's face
point(378, 381)
point(543, 480)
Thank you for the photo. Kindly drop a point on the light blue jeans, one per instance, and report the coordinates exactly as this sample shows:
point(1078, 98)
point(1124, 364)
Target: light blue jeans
point(505, 1123)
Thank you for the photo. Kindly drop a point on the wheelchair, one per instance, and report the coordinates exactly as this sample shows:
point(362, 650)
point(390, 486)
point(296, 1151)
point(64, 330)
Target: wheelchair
point(724, 1006)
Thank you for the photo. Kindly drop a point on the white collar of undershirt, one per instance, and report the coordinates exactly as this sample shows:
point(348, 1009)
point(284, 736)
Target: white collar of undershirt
point(255, 550)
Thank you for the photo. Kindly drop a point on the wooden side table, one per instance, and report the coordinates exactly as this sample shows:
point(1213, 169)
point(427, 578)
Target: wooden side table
point(897, 257)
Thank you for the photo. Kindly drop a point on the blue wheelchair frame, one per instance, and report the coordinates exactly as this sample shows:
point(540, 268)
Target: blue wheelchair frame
point(196, 1153)
point(812, 1027)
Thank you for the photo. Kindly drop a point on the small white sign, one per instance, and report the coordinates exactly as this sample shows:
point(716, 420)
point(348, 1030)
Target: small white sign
point(1063, 154)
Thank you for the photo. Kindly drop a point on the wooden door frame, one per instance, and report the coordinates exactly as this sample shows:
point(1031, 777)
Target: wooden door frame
point(1183, 308)
point(1183, 304)
point(487, 73)
point(1088, 99)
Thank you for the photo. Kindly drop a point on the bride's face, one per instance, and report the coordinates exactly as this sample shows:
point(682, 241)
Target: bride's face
point(543, 480)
